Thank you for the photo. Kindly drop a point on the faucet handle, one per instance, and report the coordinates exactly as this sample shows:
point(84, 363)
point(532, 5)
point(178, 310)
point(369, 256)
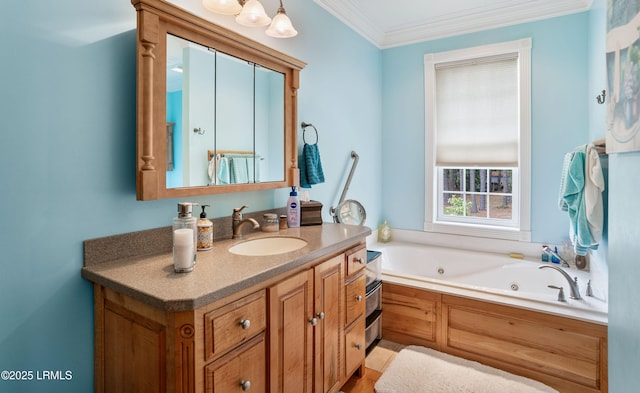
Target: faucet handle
point(589, 290)
point(237, 212)
point(561, 297)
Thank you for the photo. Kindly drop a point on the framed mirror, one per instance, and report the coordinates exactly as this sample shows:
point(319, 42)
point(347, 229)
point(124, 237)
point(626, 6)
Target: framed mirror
point(216, 111)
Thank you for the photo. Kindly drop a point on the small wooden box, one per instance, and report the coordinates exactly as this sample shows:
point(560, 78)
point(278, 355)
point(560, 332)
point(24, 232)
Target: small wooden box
point(310, 213)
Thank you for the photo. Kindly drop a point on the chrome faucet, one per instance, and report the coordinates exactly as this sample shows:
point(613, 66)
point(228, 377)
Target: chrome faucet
point(573, 284)
point(238, 222)
point(555, 254)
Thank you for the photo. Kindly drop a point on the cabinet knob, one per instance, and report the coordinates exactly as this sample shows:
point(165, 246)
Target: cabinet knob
point(358, 298)
point(358, 346)
point(313, 321)
point(359, 260)
point(245, 323)
point(320, 315)
point(245, 385)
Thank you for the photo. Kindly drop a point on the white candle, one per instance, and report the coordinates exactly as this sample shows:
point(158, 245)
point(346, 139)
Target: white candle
point(183, 248)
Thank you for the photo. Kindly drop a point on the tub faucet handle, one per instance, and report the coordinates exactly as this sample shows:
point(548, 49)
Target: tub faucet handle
point(561, 297)
point(589, 290)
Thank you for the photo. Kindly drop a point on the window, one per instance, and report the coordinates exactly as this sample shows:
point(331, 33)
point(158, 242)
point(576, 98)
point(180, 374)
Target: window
point(478, 141)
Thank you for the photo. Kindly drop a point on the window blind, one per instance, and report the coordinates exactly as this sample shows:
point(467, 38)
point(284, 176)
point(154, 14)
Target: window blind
point(477, 120)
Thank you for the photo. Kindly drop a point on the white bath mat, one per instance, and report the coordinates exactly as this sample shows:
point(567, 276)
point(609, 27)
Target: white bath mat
point(423, 370)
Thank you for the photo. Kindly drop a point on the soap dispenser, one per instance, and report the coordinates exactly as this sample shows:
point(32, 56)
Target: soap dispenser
point(184, 239)
point(205, 231)
point(293, 209)
point(384, 232)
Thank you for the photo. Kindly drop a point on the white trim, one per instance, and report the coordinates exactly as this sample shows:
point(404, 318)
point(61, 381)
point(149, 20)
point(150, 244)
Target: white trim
point(354, 14)
point(523, 48)
point(471, 243)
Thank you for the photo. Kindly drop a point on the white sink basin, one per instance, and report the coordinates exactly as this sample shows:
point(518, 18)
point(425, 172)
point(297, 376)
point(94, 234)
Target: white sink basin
point(267, 246)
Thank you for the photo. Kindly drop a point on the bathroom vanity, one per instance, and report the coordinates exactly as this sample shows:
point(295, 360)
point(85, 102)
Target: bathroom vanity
point(291, 322)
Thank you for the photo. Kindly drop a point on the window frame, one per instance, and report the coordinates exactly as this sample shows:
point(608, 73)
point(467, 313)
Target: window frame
point(464, 192)
point(517, 231)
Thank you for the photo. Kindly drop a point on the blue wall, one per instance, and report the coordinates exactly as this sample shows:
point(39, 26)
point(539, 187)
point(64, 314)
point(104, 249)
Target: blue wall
point(624, 272)
point(68, 156)
point(559, 70)
point(67, 149)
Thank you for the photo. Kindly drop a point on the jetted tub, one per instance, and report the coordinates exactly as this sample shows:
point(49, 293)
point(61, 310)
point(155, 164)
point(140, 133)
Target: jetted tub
point(490, 277)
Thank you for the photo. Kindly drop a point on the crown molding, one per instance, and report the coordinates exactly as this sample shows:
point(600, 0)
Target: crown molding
point(504, 13)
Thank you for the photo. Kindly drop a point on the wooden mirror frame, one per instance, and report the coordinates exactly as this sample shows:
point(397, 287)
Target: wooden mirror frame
point(157, 18)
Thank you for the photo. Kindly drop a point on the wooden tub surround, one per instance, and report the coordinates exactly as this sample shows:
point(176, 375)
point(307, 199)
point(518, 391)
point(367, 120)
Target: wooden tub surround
point(289, 323)
point(568, 354)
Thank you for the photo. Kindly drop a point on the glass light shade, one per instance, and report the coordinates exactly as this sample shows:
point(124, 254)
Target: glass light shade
point(281, 26)
point(224, 7)
point(253, 14)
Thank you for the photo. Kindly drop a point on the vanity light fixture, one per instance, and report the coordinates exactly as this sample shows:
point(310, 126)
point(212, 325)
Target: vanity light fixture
point(281, 26)
point(251, 13)
point(224, 7)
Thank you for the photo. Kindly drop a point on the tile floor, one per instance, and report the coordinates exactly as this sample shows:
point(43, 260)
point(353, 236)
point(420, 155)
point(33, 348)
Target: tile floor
point(376, 362)
point(382, 355)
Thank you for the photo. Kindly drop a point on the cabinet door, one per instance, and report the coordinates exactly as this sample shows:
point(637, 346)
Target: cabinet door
point(328, 287)
point(291, 334)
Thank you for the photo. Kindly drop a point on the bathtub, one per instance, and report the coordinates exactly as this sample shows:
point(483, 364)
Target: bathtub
point(489, 277)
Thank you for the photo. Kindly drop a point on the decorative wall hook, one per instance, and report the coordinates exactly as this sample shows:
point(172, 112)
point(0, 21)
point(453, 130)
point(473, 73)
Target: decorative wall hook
point(601, 97)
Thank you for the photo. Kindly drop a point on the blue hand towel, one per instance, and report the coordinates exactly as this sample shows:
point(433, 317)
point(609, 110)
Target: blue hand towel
point(310, 166)
point(223, 176)
point(239, 170)
point(572, 195)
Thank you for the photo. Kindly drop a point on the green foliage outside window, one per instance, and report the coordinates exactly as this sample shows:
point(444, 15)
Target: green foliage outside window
point(456, 206)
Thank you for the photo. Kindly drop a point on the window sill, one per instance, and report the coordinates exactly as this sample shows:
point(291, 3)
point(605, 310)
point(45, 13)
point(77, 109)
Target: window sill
point(531, 251)
point(481, 231)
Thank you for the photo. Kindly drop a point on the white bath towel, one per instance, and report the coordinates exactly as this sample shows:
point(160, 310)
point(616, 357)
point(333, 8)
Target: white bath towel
point(593, 189)
point(423, 370)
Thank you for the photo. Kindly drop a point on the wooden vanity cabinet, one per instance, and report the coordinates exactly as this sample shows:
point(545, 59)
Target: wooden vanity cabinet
point(287, 335)
point(306, 330)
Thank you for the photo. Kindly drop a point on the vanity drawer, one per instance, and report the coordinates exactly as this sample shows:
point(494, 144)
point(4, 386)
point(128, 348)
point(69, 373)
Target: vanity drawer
point(244, 369)
point(356, 261)
point(355, 346)
point(234, 324)
point(355, 298)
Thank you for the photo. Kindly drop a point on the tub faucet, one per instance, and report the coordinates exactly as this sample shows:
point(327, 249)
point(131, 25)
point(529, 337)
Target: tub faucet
point(573, 284)
point(555, 254)
point(238, 222)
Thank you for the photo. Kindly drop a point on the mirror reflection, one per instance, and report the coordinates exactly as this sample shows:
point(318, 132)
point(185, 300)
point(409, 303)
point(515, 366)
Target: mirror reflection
point(225, 118)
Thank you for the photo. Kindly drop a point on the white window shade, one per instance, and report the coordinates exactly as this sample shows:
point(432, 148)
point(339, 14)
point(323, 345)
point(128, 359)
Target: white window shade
point(477, 112)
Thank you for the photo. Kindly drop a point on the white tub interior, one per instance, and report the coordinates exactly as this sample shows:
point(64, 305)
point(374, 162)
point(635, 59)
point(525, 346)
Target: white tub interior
point(489, 276)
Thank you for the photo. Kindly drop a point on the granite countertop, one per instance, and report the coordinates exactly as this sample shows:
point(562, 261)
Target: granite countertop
point(218, 273)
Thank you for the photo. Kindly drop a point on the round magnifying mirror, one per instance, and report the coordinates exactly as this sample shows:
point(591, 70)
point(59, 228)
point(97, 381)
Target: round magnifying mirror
point(351, 212)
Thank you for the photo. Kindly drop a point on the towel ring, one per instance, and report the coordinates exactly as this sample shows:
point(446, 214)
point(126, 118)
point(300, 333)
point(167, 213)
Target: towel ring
point(304, 126)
